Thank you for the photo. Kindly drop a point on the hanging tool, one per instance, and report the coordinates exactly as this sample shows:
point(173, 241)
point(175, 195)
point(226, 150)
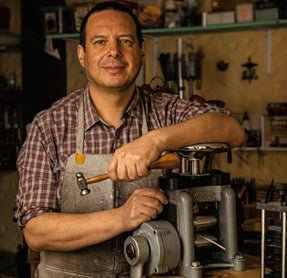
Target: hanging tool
point(165, 63)
point(268, 40)
point(222, 66)
point(193, 70)
point(270, 192)
point(154, 55)
point(179, 60)
point(249, 73)
point(168, 161)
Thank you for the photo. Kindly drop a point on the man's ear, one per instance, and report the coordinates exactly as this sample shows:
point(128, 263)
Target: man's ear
point(81, 55)
point(143, 49)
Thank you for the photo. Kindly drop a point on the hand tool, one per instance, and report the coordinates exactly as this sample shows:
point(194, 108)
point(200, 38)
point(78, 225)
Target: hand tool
point(268, 43)
point(180, 79)
point(154, 55)
point(164, 60)
point(168, 161)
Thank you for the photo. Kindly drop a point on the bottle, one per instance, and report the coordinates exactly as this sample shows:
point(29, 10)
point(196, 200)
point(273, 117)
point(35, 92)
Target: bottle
point(170, 20)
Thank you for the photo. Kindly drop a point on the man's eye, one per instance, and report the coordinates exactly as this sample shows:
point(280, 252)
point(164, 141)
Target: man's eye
point(99, 42)
point(126, 42)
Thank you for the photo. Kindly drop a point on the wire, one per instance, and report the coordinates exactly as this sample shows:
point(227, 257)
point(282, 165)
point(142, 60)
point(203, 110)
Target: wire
point(212, 241)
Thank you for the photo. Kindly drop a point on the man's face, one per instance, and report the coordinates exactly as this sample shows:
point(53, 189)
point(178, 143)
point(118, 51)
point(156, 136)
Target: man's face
point(113, 57)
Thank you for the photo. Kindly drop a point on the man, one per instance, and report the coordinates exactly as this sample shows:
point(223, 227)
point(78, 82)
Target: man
point(109, 126)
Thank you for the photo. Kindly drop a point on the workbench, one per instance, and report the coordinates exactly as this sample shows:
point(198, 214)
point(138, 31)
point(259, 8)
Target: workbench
point(252, 271)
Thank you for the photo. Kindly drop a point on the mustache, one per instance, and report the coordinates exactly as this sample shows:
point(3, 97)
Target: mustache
point(113, 63)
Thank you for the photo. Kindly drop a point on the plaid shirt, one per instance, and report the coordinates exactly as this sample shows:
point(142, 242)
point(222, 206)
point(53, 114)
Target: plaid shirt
point(52, 139)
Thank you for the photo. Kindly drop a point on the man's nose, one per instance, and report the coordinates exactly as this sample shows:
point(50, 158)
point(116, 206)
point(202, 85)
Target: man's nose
point(114, 49)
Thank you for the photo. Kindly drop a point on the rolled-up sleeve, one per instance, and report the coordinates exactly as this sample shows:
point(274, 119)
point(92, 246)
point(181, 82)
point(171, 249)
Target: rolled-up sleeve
point(173, 110)
point(38, 188)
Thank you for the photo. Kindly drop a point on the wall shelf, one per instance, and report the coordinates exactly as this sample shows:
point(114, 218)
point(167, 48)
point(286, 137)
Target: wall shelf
point(5, 49)
point(9, 42)
point(245, 26)
point(260, 149)
point(271, 133)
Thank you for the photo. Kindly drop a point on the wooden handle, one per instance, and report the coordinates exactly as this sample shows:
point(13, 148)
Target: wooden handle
point(168, 161)
point(97, 178)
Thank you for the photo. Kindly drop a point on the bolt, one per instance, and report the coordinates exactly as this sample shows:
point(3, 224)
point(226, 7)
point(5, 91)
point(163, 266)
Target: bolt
point(239, 257)
point(130, 250)
point(195, 264)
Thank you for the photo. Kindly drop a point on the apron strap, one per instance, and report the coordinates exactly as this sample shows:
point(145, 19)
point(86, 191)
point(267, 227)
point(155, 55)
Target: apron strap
point(144, 113)
point(80, 156)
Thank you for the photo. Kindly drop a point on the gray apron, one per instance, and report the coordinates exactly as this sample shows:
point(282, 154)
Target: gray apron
point(105, 259)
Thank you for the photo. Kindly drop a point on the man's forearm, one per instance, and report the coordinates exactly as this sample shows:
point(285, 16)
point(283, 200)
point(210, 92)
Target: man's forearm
point(66, 232)
point(209, 127)
point(131, 161)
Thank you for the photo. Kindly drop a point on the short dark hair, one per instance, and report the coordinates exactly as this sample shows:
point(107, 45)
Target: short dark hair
point(110, 5)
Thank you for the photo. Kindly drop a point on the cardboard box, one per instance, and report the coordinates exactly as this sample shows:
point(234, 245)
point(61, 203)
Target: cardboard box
point(266, 14)
point(220, 18)
point(244, 13)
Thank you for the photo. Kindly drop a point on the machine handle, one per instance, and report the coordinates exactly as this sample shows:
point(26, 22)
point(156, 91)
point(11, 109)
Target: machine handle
point(168, 161)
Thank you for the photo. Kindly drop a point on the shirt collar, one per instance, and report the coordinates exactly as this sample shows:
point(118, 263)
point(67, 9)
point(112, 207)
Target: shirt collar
point(134, 109)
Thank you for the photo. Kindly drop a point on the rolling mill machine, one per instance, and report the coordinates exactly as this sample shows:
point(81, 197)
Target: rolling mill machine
point(197, 229)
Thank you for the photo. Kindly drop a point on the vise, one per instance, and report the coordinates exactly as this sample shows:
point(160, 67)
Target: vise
point(197, 229)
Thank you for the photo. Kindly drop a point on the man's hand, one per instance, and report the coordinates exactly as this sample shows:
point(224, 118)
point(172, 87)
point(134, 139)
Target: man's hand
point(131, 161)
point(142, 206)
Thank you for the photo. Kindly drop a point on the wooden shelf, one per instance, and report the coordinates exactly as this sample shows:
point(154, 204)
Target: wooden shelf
point(282, 133)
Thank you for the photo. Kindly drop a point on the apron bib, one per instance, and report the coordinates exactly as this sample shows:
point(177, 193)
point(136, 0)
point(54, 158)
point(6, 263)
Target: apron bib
point(105, 259)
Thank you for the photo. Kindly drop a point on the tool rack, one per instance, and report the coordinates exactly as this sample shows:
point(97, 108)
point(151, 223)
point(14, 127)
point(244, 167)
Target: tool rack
point(273, 235)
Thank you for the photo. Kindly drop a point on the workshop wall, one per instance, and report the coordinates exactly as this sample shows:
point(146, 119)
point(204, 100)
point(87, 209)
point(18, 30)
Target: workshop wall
point(239, 95)
point(10, 62)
